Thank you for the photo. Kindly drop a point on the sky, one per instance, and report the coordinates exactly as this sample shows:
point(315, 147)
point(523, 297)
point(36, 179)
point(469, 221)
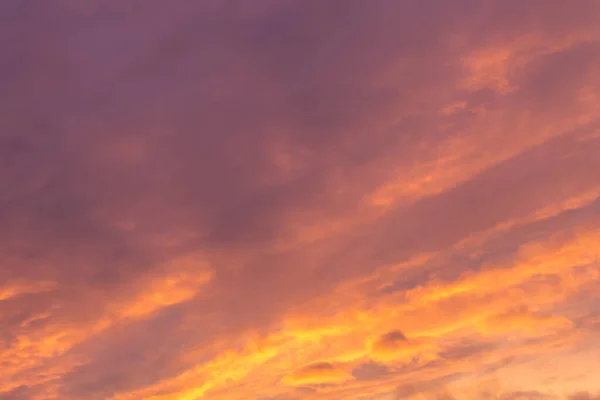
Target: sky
point(299, 200)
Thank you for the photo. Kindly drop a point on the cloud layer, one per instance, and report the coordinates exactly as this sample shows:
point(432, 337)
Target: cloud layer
point(299, 199)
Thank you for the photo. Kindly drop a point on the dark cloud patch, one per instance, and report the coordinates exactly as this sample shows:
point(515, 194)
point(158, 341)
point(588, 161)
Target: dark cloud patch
point(318, 367)
point(436, 386)
point(440, 391)
point(20, 393)
point(584, 396)
point(555, 80)
point(392, 339)
point(527, 395)
point(466, 348)
point(314, 94)
point(370, 371)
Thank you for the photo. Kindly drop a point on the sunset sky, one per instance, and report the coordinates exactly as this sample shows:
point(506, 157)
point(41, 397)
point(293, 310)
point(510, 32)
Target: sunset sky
point(299, 199)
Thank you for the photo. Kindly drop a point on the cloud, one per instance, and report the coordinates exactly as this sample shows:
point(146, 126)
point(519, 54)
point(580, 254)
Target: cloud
point(394, 345)
point(21, 392)
point(317, 374)
point(296, 199)
point(370, 370)
point(524, 320)
point(582, 396)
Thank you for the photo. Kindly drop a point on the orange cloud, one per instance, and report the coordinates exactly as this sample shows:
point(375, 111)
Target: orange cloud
point(362, 201)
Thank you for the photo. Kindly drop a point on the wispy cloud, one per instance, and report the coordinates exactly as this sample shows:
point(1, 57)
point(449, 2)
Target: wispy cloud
point(299, 200)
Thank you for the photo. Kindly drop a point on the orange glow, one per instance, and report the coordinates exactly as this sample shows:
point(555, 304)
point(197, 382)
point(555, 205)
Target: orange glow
point(300, 200)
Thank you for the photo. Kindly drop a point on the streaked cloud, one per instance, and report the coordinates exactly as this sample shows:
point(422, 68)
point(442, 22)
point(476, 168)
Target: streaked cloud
point(292, 200)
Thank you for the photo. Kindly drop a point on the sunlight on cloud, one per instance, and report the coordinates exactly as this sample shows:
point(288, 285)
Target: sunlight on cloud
point(300, 200)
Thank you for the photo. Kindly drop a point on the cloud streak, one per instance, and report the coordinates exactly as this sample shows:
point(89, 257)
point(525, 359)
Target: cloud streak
point(299, 199)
